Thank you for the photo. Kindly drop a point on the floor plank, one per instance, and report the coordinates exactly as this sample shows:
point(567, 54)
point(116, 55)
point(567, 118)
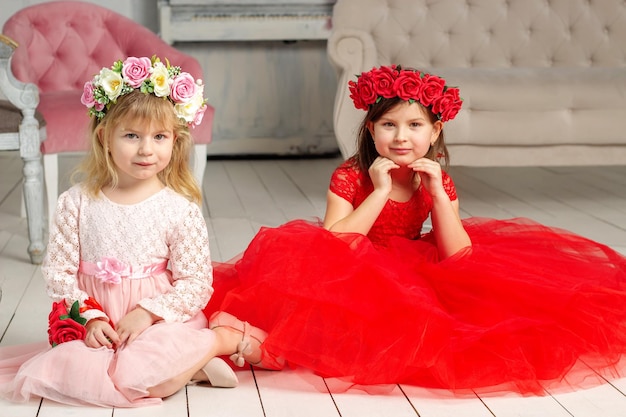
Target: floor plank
point(224, 402)
point(356, 403)
point(514, 405)
point(53, 409)
point(439, 403)
point(288, 393)
point(603, 401)
point(286, 195)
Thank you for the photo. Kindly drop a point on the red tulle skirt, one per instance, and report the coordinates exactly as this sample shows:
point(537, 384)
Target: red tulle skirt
point(520, 307)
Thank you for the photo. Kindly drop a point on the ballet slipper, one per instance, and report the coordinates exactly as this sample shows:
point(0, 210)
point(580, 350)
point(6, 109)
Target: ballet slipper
point(245, 347)
point(219, 374)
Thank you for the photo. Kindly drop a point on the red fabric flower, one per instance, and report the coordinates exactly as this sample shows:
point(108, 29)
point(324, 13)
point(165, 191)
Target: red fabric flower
point(448, 105)
point(410, 85)
point(432, 88)
point(91, 304)
point(363, 92)
point(383, 79)
point(64, 326)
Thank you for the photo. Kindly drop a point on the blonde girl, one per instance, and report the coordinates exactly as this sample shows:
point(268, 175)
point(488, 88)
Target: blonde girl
point(128, 264)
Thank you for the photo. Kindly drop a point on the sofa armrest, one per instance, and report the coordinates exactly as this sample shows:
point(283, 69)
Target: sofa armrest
point(350, 52)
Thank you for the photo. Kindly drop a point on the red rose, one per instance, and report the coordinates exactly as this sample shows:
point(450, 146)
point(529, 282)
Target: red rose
point(65, 331)
point(448, 105)
point(58, 310)
point(432, 88)
point(363, 92)
point(383, 79)
point(356, 98)
point(64, 326)
point(407, 85)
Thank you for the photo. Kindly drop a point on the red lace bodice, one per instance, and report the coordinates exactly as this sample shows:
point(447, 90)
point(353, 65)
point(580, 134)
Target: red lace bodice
point(397, 218)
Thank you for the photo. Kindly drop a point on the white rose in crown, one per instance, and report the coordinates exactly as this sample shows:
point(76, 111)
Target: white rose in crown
point(189, 109)
point(111, 83)
point(160, 79)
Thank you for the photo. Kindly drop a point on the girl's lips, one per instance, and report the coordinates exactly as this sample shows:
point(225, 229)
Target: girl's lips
point(401, 151)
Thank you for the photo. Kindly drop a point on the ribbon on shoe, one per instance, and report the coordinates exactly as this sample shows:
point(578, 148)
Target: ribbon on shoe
point(111, 270)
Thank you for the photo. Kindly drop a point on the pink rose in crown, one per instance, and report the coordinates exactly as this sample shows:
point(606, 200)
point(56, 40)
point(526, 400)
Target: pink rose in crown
point(432, 88)
point(136, 70)
point(183, 88)
point(88, 98)
point(408, 85)
point(448, 105)
point(199, 116)
point(383, 79)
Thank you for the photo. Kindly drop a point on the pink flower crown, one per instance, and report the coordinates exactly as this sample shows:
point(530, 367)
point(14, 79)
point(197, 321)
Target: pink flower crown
point(410, 85)
point(150, 76)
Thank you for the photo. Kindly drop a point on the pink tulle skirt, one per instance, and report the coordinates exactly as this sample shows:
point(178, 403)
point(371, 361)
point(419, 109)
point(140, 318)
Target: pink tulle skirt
point(72, 373)
point(521, 307)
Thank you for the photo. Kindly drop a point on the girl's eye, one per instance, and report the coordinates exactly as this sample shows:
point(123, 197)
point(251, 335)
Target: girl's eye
point(131, 136)
point(161, 136)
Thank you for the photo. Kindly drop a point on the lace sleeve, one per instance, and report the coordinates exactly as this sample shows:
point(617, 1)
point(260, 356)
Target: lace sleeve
point(344, 182)
point(60, 264)
point(192, 272)
point(448, 185)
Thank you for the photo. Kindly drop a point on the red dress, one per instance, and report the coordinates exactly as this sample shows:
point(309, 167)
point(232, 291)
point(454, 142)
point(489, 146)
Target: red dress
point(519, 308)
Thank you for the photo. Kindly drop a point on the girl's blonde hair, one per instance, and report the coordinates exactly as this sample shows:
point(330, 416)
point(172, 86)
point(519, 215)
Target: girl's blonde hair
point(98, 169)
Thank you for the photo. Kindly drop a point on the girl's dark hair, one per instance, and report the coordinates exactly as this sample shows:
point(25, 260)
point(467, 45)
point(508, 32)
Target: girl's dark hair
point(366, 150)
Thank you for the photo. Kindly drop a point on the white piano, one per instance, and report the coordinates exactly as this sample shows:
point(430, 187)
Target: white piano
point(244, 20)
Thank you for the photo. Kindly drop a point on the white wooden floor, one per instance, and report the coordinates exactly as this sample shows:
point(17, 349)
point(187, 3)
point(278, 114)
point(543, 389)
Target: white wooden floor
point(243, 195)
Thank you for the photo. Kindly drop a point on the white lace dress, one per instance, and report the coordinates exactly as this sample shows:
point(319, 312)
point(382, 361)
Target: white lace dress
point(154, 254)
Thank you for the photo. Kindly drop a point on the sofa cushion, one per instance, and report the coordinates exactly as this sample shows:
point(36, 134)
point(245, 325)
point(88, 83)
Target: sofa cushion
point(538, 106)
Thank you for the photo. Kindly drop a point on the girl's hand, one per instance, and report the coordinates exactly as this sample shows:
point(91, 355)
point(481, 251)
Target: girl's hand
point(100, 333)
point(430, 175)
point(380, 173)
point(133, 324)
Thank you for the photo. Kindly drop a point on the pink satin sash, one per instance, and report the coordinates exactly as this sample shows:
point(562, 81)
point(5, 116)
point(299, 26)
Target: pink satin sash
point(113, 271)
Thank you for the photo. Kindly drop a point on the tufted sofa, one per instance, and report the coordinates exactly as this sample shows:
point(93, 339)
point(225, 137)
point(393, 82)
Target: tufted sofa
point(543, 81)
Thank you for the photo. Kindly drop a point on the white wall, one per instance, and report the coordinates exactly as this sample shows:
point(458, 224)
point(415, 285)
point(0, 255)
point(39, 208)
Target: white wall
point(270, 97)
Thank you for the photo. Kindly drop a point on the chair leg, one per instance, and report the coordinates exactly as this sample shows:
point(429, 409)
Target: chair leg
point(33, 201)
point(51, 176)
point(199, 162)
point(23, 200)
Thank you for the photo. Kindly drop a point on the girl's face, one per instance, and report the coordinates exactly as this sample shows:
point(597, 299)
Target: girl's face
point(140, 150)
point(405, 133)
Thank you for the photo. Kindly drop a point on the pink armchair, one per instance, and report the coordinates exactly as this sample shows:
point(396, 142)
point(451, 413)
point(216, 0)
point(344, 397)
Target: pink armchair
point(62, 44)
